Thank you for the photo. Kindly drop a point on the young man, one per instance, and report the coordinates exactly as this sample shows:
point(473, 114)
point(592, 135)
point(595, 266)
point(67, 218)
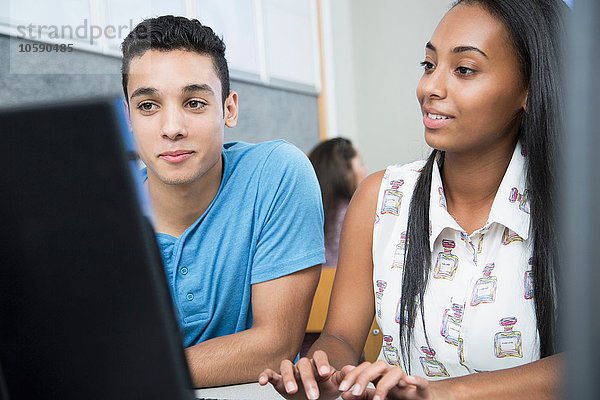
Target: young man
point(240, 226)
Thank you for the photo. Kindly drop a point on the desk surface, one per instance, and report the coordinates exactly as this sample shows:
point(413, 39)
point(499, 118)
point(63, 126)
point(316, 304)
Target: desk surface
point(248, 391)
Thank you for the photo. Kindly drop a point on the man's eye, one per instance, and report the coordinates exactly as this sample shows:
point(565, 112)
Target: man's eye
point(196, 104)
point(146, 106)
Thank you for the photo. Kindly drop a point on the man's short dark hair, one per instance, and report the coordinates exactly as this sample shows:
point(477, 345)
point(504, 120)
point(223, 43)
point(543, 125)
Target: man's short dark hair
point(169, 33)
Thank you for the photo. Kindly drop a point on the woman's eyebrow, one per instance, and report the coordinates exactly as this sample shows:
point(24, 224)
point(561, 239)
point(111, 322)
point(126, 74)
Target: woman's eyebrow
point(458, 49)
point(461, 49)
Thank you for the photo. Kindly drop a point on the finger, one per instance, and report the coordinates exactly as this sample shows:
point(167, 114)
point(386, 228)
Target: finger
point(288, 376)
point(274, 379)
point(372, 374)
point(420, 382)
point(393, 378)
point(307, 371)
point(266, 376)
point(348, 368)
point(339, 376)
point(349, 381)
point(263, 377)
point(321, 362)
point(350, 396)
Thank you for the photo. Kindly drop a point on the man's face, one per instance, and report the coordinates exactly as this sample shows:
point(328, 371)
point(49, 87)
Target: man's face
point(177, 114)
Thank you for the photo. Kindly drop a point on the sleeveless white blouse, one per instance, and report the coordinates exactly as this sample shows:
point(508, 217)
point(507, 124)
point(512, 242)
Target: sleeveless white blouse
point(479, 309)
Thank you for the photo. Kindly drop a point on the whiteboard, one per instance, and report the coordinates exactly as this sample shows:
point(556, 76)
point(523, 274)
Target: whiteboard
point(235, 21)
point(268, 41)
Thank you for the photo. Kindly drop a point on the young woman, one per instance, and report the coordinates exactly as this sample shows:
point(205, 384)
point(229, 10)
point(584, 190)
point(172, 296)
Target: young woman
point(460, 266)
point(340, 170)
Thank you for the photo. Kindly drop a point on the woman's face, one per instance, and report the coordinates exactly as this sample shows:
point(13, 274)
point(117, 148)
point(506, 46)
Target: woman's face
point(358, 168)
point(471, 92)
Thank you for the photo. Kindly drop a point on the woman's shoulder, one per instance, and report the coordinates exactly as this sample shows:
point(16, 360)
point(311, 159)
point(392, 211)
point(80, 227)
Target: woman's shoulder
point(401, 176)
point(408, 170)
point(368, 190)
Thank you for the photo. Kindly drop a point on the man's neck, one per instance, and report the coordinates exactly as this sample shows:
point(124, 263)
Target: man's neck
point(176, 207)
point(471, 184)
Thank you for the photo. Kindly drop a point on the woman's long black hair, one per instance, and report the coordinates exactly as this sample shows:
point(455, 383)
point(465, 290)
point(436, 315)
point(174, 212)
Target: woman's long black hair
point(536, 29)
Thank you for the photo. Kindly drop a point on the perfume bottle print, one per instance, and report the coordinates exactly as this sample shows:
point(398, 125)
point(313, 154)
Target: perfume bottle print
point(381, 285)
point(461, 355)
point(398, 261)
point(451, 321)
point(403, 316)
point(470, 242)
point(390, 352)
point(508, 343)
point(528, 282)
point(442, 197)
point(432, 367)
point(484, 290)
point(447, 263)
point(509, 237)
point(392, 198)
point(522, 198)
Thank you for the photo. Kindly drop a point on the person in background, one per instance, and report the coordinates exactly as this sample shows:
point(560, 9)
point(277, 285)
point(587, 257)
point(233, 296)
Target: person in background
point(340, 170)
point(239, 225)
point(457, 255)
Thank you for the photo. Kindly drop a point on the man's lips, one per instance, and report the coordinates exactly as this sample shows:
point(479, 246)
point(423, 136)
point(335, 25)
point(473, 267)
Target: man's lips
point(176, 156)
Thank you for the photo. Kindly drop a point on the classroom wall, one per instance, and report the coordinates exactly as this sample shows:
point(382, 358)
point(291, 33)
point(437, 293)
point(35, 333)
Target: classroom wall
point(265, 112)
point(377, 47)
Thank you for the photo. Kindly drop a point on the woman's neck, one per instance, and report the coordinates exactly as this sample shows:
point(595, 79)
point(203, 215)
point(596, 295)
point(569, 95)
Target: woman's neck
point(471, 183)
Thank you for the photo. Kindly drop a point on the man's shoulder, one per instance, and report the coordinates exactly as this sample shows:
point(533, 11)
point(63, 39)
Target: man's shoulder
point(258, 151)
point(274, 155)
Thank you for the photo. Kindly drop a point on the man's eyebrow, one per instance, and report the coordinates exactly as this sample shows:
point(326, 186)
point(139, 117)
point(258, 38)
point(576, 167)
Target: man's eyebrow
point(461, 49)
point(429, 46)
point(195, 87)
point(144, 91)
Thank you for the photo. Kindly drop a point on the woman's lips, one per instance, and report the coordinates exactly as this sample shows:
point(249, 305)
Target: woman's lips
point(435, 121)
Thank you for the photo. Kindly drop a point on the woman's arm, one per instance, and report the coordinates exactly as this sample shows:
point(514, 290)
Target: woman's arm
point(351, 307)
point(541, 379)
point(352, 302)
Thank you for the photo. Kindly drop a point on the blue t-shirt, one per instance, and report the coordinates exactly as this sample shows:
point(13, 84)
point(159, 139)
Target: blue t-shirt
point(266, 221)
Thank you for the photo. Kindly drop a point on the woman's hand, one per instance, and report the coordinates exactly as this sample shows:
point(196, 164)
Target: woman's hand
point(390, 383)
point(310, 378)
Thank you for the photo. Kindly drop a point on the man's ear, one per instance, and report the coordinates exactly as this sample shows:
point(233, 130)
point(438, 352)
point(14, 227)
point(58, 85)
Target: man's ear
point(127, 113)
point(230, 108)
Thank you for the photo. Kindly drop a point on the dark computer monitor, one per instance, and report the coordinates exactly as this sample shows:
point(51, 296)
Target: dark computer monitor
point(3, 389)
point(85, 311)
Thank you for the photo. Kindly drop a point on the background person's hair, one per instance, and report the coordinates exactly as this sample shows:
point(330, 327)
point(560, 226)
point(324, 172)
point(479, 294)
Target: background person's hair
point(332, 161)
point(536, 30)
point(167, 33)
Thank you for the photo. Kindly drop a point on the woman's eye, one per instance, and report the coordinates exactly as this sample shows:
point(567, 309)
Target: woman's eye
point(427, 65)
point(465, 71)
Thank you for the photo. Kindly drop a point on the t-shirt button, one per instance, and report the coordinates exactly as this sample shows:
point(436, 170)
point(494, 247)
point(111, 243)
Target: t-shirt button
point(184, 271)
point(190, 297)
